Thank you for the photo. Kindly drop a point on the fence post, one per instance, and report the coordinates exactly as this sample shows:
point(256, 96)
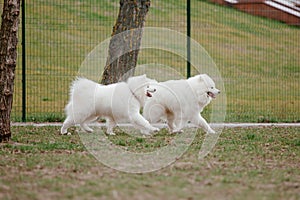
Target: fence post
point(188, 45)
point(23, 64)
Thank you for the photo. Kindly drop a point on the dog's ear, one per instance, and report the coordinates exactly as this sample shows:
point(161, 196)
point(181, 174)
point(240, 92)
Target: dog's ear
point(201, 77)
point(204, 77)
point(144, 76)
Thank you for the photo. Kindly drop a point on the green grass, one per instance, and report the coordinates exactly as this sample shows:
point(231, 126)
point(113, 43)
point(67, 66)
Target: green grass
point(246, 163)
point(257, 57)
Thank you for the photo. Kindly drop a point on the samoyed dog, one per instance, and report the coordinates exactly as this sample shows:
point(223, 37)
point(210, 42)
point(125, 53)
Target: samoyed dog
point(117, 102)
point(181, 101)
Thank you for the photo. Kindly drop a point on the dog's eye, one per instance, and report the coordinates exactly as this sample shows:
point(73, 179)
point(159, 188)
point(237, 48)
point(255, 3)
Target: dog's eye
point(212, 88)
point(147, 86)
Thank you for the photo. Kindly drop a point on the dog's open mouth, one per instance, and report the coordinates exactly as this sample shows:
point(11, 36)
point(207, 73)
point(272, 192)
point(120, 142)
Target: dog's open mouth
point(148, 94)
point(149, 91)
point(212, 95)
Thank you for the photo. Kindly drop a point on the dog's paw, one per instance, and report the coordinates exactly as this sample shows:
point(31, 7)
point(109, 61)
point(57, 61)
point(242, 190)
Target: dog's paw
point(211, 131)
point(176, 131)
point(89, 131)
point(155, 129)
point(145, 132)
point(111, 133)
point(66, 133)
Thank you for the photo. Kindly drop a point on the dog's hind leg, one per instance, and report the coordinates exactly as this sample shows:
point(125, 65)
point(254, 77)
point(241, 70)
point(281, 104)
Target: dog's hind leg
point(86, 128)
point(170, 121)
point(84, 125)
point(178, 124)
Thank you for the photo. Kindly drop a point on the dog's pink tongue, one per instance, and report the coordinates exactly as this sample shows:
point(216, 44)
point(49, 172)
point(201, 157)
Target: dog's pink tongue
point(211, 95)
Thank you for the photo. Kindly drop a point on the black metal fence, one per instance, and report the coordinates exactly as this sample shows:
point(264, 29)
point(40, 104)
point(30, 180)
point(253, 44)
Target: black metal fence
point(257, 57)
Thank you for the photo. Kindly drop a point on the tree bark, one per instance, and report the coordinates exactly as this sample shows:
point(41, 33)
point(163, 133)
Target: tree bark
point(125, 42)
point(8, 59)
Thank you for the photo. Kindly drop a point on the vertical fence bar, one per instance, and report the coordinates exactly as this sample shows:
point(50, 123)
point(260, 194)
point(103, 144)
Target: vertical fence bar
point(188, 45)
point(23, 64)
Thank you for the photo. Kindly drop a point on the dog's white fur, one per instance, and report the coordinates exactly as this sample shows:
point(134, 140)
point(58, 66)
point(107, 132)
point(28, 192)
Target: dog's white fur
point(181, 101)
point(116, 103)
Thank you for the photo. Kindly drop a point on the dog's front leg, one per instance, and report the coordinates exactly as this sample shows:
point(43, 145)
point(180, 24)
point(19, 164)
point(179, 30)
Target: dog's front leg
point(201, 122)
point(178, 125)
point(110, 123)
point(141, 123)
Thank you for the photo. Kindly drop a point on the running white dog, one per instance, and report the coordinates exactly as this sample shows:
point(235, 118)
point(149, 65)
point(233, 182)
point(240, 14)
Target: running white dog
point(181, 101)
point(116, 103)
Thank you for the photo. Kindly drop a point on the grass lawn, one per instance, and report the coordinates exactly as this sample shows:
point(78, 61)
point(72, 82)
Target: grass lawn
point(259, 62)
point(246, 163)
point(258, 58)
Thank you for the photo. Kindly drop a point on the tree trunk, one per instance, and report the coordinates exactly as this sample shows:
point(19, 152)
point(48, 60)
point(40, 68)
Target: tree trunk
point(125, 42)
point(8, 57)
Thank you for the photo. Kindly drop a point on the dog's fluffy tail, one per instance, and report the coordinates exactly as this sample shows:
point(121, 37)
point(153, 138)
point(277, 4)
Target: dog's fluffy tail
point(79, 84)
point(81, 91)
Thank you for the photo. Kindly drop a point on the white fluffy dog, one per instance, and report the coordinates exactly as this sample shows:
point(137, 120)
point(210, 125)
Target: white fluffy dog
point(181, 101)
point(116, 103)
